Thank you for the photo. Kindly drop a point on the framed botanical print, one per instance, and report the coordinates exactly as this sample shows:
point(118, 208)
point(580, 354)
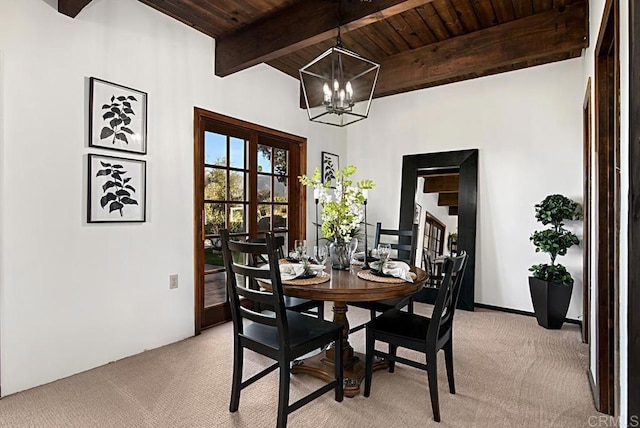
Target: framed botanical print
point(330, 165)
point(116, 189)
point(117, 117)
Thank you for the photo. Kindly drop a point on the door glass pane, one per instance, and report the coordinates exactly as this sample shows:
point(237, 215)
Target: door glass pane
point(280, 216)
point(215, 148)
point(237, 152)
point(215, 184)
point(264, 158)
point(237, 223)
point(215, 290)
point(236, 186)
point(214, 215)
point(280, 162)
point(280, 189)
point(264, 188)
point(264, 218)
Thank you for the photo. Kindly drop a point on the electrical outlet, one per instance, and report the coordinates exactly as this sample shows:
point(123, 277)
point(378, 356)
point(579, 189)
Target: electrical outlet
point(173, 281)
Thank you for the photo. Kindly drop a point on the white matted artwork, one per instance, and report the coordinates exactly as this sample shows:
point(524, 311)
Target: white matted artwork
point(330, 166)
point(116, 190)
point(117, 117)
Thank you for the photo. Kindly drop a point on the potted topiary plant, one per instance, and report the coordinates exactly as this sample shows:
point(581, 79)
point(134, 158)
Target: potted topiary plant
point(551, 284)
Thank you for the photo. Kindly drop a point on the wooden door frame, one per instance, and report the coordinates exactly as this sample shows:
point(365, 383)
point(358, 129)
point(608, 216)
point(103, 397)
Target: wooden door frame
point(633, 281)
point(607, 86)
point(298, 212)
point(586, 213)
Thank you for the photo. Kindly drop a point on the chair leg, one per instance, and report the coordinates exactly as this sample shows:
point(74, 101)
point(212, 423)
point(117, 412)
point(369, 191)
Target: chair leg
point(392, 351)
point(432, 373)
point(339, 369)
point(410, 306)
point(448, 359)
point(283, 395)
point(320, 310)
point(372, 313)
point(238, 355)
point(368, 362)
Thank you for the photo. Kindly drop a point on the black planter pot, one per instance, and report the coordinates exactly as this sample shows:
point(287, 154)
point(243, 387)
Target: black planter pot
point(550, 302)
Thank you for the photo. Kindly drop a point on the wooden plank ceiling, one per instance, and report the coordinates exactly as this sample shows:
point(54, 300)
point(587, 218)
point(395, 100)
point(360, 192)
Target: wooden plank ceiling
point(419, 43)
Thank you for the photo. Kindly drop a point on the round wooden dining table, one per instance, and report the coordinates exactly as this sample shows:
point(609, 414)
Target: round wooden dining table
point(345, 286)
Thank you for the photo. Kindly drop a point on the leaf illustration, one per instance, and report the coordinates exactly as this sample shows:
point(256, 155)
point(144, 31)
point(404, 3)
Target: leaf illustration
point(130, 188)
point(106, 132)
point(108, 185)
point(131, 97)
point(121, 136)
point(126, 180)
point(103, 172)
point(116, 175)
point(127, 121)
point(108, 115)
point(121, 98)
point(113, 97)
point(115, 205)
point(126, 104)
point(118, 166)
point(106, 199)
point(116, 110)
point(128, 110)
point(106, 106)
point(128, 201)
point(127, 130)
point(105, 163)
point(123, 193)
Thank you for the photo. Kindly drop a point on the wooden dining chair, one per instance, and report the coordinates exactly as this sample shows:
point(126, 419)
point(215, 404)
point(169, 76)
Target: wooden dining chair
point(304, 306)
point(396, 238)
point(282, 335)
point(419, 333)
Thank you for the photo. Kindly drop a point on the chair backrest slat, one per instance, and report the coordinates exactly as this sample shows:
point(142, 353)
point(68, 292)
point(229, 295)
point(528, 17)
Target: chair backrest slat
point(266, 319)
point(448, 293)
point(400, 240)
point(239, 261)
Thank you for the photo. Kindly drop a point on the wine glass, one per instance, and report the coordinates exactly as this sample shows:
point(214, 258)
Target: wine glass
point(320, 253)
point(300, 246)
point(384, 250)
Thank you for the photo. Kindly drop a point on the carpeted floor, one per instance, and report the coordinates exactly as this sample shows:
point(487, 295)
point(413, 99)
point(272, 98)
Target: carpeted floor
point(509, 373)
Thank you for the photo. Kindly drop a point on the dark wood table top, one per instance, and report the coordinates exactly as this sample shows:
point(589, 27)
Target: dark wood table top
point(346, 286)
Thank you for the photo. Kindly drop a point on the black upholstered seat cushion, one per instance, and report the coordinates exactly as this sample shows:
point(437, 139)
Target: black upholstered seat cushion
point(396, 322)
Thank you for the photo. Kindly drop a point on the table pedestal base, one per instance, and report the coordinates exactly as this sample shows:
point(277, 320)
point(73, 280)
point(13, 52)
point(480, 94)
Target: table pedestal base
point(323, 368)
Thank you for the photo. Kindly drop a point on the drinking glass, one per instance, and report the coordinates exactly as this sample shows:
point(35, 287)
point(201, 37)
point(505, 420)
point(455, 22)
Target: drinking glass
point(384, 250)
point(300, 246)
point(320, 253)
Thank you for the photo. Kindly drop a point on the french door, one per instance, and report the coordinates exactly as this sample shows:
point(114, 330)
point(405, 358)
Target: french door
point(245, 181)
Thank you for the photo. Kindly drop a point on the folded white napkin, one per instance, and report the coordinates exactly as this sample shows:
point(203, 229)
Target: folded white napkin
point(398, 269)
point(289, 271)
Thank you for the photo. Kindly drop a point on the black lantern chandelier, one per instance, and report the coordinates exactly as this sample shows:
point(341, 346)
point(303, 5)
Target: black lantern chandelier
point(338, 85)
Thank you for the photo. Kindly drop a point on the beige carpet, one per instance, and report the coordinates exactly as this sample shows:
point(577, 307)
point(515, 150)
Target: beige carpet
point(509, 373)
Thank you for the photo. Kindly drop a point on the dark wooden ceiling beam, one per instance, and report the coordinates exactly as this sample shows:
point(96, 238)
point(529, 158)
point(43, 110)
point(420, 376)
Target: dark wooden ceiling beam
point(527, 39)
point(447, 199)
point(300, 25)
point(72, 7)
point(442, 183)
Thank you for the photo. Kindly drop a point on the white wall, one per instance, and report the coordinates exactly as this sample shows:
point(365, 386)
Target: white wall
point(73, 295)
point(527, 126)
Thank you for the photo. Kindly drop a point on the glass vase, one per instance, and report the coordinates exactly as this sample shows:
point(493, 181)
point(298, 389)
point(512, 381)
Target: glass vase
point(341, 253)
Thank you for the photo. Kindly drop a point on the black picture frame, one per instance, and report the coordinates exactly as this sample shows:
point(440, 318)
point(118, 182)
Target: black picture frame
point(116, 189)
point(330, 166)
point(117, 117)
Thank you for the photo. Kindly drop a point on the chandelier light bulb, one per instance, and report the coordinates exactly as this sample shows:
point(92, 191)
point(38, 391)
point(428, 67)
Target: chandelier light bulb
point(327, 93)
point(349, 89)
point(336, 85)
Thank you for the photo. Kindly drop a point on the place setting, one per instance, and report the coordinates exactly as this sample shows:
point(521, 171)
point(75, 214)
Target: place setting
point(300, 269)
point(385, 269)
